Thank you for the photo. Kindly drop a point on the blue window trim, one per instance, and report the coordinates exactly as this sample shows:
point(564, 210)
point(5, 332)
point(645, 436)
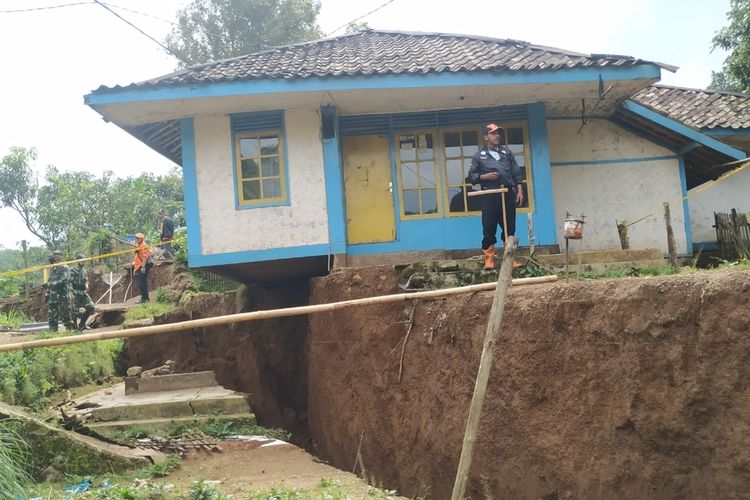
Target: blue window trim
point(234, 131)
point(371, 82)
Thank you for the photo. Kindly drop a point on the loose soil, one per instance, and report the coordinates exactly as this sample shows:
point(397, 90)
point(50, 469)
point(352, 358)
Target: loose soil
point(246, 466)
point(634, 388)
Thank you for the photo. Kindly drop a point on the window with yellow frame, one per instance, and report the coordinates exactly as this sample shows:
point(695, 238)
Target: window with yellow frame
point(459, 146)
point(418, 175)
point(260, 168)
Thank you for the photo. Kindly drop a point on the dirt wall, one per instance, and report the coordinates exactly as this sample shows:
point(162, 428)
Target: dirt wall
point(630, 388)
point(265, 359)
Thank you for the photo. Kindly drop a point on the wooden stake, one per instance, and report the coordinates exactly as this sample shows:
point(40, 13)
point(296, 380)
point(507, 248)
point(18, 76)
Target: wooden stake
point(670, 237)
point(483, 374)
point(255, 315)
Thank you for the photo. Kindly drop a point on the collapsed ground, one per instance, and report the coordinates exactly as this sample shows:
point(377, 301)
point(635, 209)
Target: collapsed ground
point(628, 387)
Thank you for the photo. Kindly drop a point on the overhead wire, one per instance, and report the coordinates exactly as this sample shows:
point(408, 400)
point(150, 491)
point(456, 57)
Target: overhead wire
point(360, 17)
point(167, 49)
point(48, 7)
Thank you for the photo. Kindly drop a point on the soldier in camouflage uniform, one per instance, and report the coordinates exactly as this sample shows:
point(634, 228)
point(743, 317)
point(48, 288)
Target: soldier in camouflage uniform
point(58, 286)
point(80, 282)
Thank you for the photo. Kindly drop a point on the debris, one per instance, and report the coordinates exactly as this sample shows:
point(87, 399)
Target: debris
point(134, 371)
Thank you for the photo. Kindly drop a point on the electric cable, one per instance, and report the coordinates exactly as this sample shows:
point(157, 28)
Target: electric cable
point(360, 17)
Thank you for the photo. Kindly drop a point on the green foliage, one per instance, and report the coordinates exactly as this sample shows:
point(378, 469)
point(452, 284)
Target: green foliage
point(78, 212)
point(201, 490)
point(30, 377)
point(13, 317)
point(13, 459)
point(211, 30)
point(164, 469)
point(329, 489)
point(622, 272)
point(147, 310)
point(735, 73)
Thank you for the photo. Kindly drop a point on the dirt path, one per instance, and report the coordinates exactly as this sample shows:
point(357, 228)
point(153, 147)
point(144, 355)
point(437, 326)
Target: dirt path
point(246, 466)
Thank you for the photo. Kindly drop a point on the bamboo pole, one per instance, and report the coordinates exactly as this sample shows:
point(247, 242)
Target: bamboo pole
point(485, 364)
point(256, 315)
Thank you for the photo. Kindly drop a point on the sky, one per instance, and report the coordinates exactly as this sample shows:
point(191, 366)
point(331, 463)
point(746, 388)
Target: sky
point(52, 57)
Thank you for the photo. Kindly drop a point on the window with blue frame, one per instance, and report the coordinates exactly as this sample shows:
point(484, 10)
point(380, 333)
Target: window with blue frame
point(260, 167)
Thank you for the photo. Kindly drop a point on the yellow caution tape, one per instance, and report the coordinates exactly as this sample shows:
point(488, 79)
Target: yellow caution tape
point(21, 272)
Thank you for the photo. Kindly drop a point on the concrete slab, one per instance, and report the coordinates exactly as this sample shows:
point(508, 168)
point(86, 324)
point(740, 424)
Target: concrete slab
point(603, 256)
point(175, 381)
point(161, 424)
point(113, 404)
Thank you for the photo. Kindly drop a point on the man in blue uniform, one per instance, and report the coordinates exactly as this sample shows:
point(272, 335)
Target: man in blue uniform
point(492, 167)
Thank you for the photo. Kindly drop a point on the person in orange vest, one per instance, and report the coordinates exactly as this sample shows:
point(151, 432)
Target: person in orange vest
point(142, 264)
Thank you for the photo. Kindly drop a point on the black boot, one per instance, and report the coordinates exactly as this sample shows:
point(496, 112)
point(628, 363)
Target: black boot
point(82, 322)
point(53, 326)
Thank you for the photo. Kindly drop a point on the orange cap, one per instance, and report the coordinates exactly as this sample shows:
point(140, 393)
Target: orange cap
point(491, 127)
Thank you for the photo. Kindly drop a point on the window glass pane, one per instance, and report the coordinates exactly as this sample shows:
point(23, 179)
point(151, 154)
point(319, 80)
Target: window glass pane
point(249, 147)
point(471, 142)
point(455, 172)
point(467, 166)
point(409, 175)
point(271, 188)
point(251, 190)
point(427, 174)
point(250, 169)
point(456, 197)
point(516, 149)
point(270, 167)
point(520, 159)
point(452, 142)
point(424, 146)
point(407, 147)
point(515, 135)
point(411, 202)
point(429, 201)
point(269, 145)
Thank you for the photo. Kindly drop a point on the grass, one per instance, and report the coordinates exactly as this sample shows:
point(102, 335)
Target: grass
point(147, 310)
point(326, 488)
point(159, 470)
point(14, 318)
point(201, 490)
point(13, 457)
point(218, 428)
point(31, 377)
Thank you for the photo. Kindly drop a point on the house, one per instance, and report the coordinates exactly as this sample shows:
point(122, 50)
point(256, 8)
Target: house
point(721, 115)
point(355, 149)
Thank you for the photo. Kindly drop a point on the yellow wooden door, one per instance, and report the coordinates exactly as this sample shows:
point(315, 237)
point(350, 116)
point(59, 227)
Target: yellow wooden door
point(368, 189)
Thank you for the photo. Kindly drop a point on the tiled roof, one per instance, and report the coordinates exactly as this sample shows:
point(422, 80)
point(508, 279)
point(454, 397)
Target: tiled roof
point(698, 108)
point(371, 52)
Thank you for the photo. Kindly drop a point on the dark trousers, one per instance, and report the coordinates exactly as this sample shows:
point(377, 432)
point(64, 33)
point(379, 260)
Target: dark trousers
point(492, 216)
point(142, 277)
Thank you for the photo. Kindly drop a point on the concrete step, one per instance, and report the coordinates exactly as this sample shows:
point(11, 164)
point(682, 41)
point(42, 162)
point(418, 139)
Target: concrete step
point(174, 381)
point(625, 257)
point(114, 405)
point(162, 424)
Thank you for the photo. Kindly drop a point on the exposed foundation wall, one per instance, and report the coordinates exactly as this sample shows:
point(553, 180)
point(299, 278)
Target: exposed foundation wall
point(629, 388)
point(224, 227)
point(608, 174)
point(723, 197)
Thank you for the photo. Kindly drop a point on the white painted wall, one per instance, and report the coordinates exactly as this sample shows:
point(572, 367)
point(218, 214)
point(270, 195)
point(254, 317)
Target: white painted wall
point(225, 228)
point(734, 192)
point(607, 191)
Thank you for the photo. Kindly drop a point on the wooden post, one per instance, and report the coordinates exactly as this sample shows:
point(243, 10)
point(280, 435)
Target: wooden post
point(111, 286)
point(622, 232)
point(670, 236)
point(483, 374)
point(25, 253)
point(531, 234)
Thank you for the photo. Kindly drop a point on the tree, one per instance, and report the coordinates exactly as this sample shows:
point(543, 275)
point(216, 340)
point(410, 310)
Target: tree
point(735, 73)
point(210, 30)
point(18, 188)
point(355, 26)
point(68, 209)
